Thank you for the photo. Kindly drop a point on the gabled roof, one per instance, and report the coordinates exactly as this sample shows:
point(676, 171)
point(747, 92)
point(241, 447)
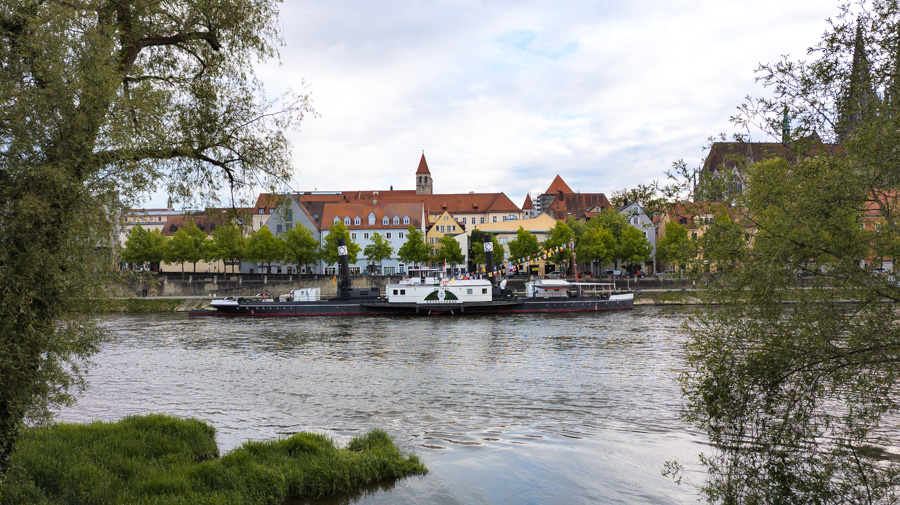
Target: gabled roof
point(571, 204)
point(728, 154)
point(362, 210)
point(528, 205)
point(558, 185)
point(268, 201)
point(423, 166)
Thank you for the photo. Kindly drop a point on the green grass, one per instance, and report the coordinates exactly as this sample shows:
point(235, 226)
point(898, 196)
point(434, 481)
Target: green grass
point(162, 460)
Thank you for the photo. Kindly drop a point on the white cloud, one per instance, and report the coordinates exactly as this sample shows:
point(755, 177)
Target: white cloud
point(503, 95)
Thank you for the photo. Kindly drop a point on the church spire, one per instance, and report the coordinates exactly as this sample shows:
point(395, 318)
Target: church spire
point(860, 94)
point(424, 184)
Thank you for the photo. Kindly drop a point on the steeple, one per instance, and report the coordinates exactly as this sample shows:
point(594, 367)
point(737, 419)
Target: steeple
point(860, 94)
point(424, 184)
point(785, 127)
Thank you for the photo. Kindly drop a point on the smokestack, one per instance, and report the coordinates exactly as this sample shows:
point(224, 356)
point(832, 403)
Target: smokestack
point(489, 256)
point(344, 265)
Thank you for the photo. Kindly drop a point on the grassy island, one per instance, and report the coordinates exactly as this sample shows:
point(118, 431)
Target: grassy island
point(165, 460)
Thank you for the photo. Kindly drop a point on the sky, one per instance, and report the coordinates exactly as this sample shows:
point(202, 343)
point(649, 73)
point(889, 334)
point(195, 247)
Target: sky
point(502, 96)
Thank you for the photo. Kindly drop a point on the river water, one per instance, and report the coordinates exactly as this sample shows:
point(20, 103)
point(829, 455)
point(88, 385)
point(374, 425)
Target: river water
point(528, 409)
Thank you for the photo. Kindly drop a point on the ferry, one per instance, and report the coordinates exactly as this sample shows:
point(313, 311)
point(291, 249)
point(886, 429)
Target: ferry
point(427, 292)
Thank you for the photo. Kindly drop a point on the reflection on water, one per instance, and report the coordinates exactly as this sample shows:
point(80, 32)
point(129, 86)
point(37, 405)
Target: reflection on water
point(527, 409)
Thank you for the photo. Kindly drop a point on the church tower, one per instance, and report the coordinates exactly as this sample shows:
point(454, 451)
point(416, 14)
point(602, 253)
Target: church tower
point(424, 184)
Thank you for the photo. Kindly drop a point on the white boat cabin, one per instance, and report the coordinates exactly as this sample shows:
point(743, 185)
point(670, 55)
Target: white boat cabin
point(425, 289)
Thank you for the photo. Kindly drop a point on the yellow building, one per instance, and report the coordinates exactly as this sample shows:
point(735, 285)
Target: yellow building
point(439, 228)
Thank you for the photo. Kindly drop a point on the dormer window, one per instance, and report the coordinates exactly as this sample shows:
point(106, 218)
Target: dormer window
point(385, 221)
point(371, 219)
point(396, 220)
point(357, 221)
point(347, 221)
point(337, 219)
point(406, 220)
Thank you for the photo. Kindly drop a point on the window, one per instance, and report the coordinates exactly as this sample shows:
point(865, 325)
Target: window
point(262, 210)
point(469, 291)
point(337, 219)
point(347, 221)
point(484, 291)
point(289, 215)
point(389, 270)
point(385, 221)
point(406, 220)
point(353, 236)
point(366, 235)
point(494, 219)
point(270, 210)
point(395, 292)
point(371, 218)
point(402, 291)
point(502, 240)
point(446, 218)
point(454, 227)
point(278, 228)
point(387, 235)
point(401, 234)
point(396, 219)
point(357, 221)
point(441, 228)
point(462, 221)
point(482, 220)
point(330, 271)
point(694, 235)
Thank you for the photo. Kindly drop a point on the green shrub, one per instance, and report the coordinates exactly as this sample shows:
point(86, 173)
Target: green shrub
point(166, 461)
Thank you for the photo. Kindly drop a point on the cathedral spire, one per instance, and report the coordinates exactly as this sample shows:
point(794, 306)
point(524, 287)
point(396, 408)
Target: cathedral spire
point(860, 94)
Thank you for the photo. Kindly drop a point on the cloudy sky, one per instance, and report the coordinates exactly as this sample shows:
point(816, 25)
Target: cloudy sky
point(504, 95)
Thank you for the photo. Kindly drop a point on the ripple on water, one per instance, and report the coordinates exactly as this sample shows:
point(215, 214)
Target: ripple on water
point(564, 407)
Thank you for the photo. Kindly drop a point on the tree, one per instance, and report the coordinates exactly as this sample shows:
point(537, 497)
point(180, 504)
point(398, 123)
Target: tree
point(102, 101)
point(634, 248)
point(301, 247)
point(476, 248)
point(227, 245)
point(378, 250)
point(185, 247)
point(264, 248)
point(598, 244)
point(330, 249)
point(675, 247)
point(524, 245)
point(144, 246)
point(794, 397)
point(414, 250)
point(560, 235)
point(450, 251)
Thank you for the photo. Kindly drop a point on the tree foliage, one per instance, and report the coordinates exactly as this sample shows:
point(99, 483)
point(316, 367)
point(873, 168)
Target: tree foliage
point(264, 248)
point(300, 246)
point(379, 250)
point(144, 246)
point(450, 251)
point(330, 249)
point(796, 398)
point(101, 100)
point(227, 244)
point(414, 250)
point(525, 244)
point(675, 247)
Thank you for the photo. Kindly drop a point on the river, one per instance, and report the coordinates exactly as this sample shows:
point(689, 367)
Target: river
point(528, 409)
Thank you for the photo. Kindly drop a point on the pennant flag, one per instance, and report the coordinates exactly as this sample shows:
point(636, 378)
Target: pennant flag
point(334, 280)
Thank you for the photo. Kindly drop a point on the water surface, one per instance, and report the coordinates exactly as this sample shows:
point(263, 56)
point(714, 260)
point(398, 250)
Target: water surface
point(527, 409)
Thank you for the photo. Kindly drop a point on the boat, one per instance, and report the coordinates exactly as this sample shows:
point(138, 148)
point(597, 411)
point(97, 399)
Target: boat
point(427, 292)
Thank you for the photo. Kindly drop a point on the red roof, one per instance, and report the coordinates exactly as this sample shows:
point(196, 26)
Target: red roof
point(381, 210)
point(558, 185)
point(527, 205)
point(423, 167)
point(576, 204)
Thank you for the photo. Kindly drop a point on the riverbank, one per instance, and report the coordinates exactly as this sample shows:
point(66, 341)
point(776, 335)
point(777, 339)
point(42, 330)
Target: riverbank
point(151, 304)
point(165, 460)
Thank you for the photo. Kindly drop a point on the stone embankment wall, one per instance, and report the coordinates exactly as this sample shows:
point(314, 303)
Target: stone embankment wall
point(229, 285)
